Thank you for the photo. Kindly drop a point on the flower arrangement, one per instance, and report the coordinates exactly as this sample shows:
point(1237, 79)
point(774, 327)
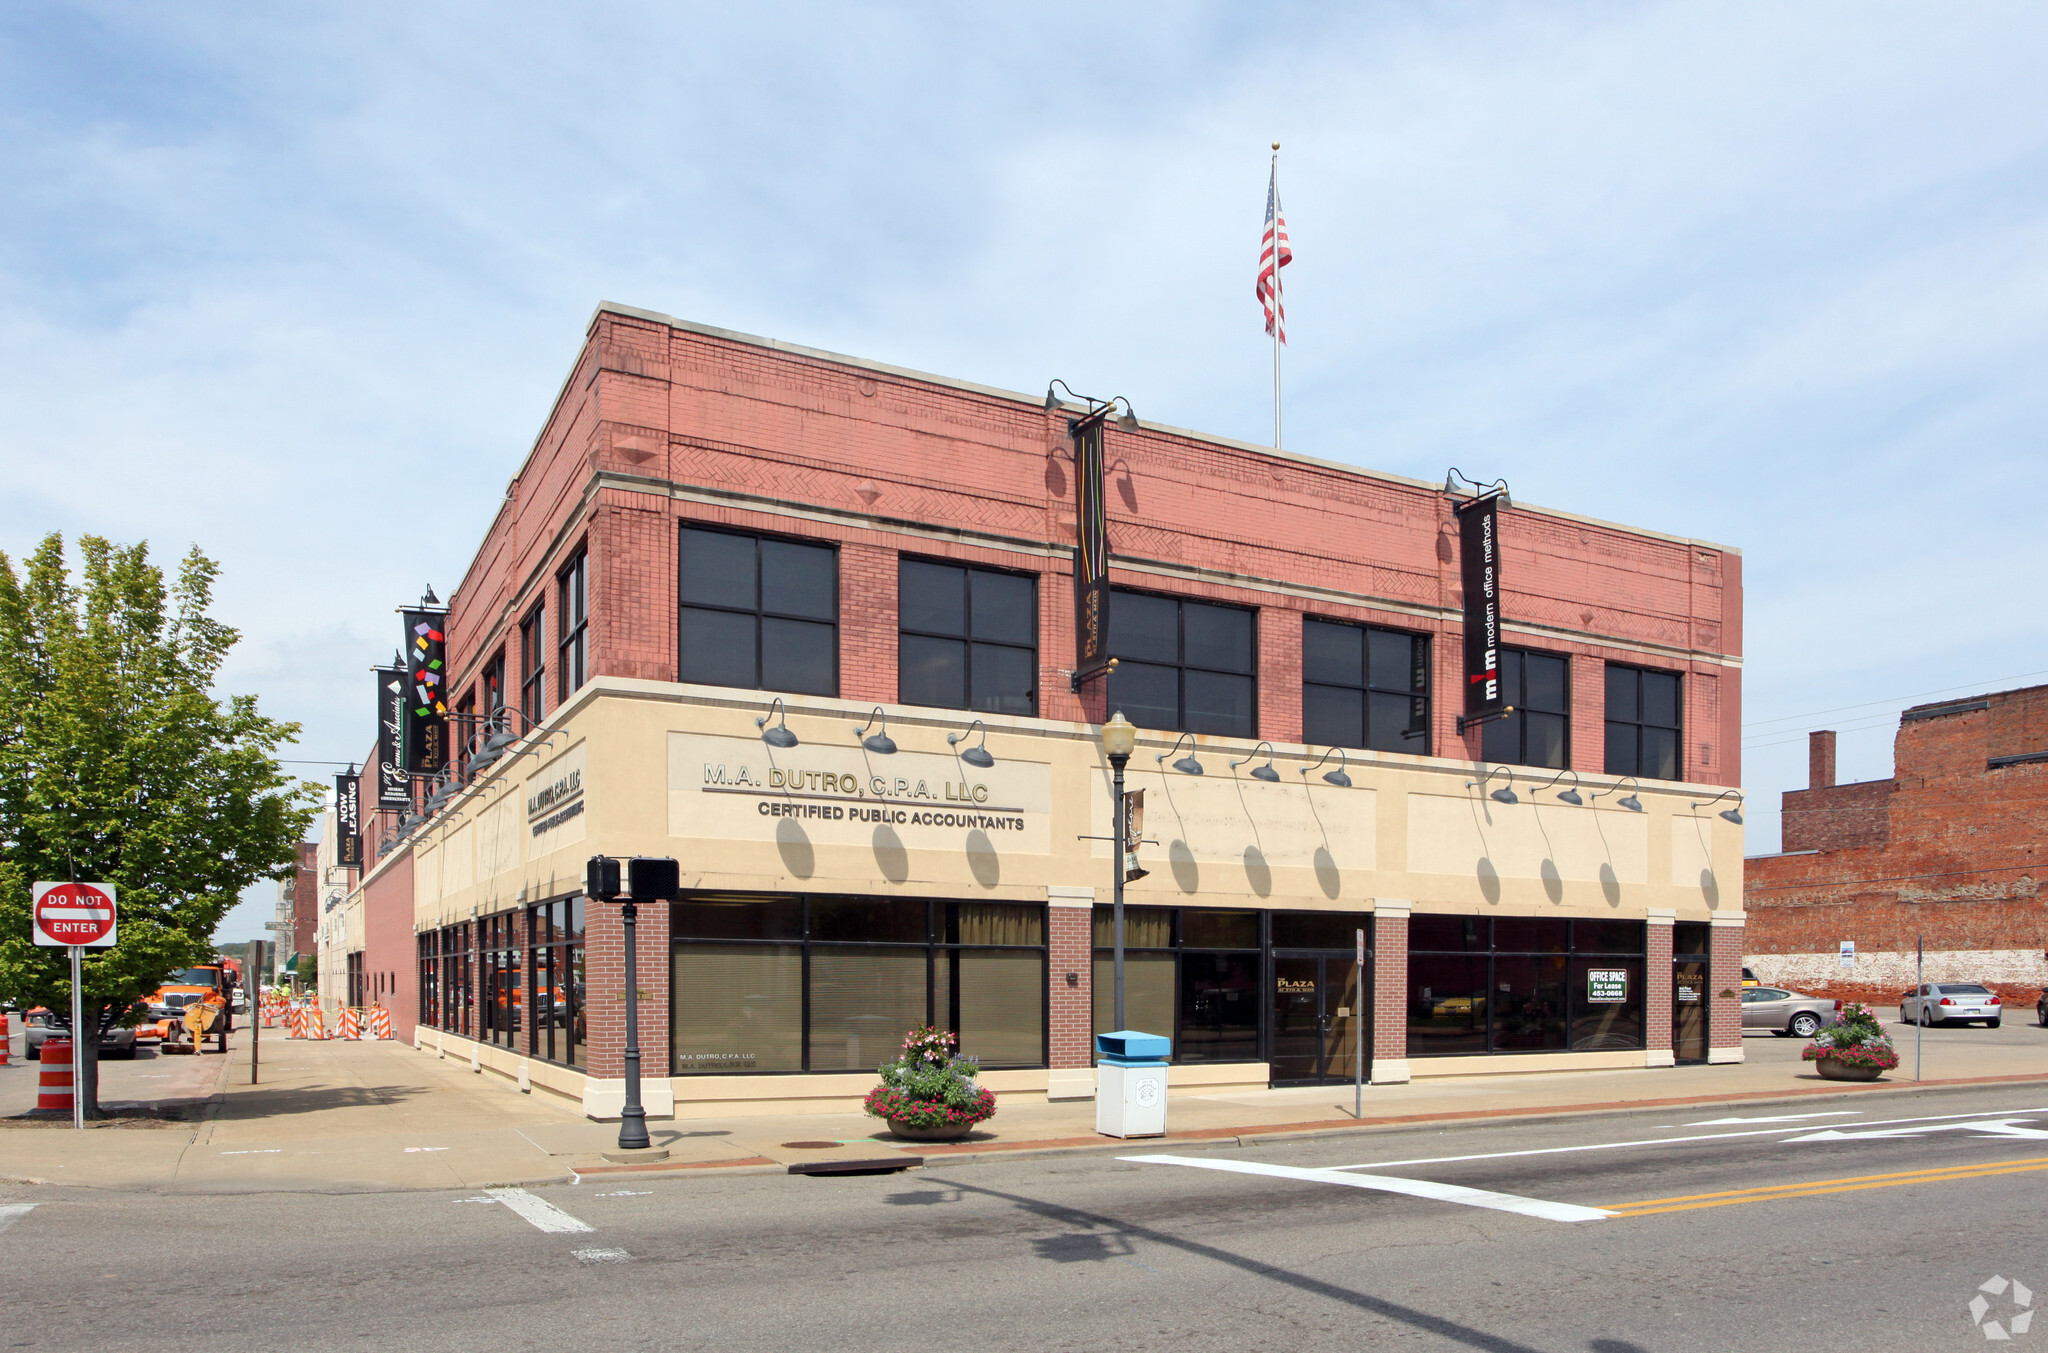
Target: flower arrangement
point(929, 1087)
point(1854, 1039)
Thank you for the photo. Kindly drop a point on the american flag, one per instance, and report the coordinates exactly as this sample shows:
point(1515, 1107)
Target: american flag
point(1269, 271)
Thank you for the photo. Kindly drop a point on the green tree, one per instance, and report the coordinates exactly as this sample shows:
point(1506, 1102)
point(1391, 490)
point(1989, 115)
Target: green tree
point(118, 764)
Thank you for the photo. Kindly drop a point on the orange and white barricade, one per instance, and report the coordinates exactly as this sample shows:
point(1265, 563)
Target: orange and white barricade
point(349, 1024)
point(316, 1022)
point(380, 1022)
point(53, 1091)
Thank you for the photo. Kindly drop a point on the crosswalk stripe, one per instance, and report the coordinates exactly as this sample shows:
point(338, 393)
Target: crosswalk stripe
point(543, 1214)
point(14, 1212)
point(1414, 1188)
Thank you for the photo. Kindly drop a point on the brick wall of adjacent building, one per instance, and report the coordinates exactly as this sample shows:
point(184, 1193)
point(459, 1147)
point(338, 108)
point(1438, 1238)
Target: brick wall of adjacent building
point(1657, 987)
point(1389, 987)
point(1948, 852)
point(605, 998)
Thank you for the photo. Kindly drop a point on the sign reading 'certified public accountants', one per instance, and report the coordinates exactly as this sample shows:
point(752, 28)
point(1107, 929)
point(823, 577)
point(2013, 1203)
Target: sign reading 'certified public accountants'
point(741, 789)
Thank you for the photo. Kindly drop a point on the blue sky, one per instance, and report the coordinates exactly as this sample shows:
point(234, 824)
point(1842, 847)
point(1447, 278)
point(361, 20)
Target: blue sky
point(1768, 275)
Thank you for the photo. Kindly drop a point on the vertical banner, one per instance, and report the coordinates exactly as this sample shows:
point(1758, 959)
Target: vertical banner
point(348, 820)
point(1091, 554)
point(1134, 833)
point(1479, 548)
point(426, 702)
point(394, 790)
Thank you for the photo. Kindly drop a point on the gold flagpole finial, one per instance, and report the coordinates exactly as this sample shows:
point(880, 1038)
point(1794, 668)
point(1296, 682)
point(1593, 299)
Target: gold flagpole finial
point(1276, 145)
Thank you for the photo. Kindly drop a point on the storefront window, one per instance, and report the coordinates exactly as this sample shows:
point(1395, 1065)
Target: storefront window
point(1523, 984)
point(558, 1028)
point(787, 983)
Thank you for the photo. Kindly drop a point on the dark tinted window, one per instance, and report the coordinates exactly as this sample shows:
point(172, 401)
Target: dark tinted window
point(1364, 687)
point(1538, 686)
point(1201, 929)
point(1449, 934)
point(758, 612)
point(1320, 929)
point(1183, 666)
point(1643, 723)
point(968, 640)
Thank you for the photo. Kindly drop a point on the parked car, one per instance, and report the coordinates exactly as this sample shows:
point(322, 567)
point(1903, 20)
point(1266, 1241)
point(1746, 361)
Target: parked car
point(40, 1025)
point(1749, 979)
point(1786, 1012)
point(1939, 1003)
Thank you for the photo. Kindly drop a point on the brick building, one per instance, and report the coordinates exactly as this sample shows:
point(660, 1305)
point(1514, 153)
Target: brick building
point(1949, 850)
point(298, 907)
point(806, 623)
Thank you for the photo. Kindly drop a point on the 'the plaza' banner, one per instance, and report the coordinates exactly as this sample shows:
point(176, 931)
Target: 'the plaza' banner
point(426, 694)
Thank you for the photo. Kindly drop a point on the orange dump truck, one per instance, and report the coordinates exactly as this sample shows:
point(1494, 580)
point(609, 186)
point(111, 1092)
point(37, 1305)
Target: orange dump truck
point(211, 985)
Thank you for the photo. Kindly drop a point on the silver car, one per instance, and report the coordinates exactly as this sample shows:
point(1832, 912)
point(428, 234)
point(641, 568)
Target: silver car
point(1786, 1012)
point(1951, 1003)
point(41, 1025)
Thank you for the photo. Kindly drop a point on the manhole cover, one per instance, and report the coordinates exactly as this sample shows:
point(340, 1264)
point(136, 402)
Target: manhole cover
point(809, 1146)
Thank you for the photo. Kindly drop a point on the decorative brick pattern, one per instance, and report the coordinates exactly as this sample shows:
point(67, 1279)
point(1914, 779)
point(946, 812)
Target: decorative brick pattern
point(1724, 975)
point(1657, 992)
point(1070, 939)
point(1389, 987)
point(604, 968)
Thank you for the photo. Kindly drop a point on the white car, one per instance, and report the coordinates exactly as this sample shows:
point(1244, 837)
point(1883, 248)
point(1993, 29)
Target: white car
point(1951, 1003)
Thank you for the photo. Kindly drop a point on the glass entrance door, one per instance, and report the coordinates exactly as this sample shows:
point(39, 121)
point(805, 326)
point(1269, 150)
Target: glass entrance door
point(1317, 1017)
point(1689, 1011)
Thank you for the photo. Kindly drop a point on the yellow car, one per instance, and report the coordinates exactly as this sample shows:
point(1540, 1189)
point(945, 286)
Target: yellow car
point(1459, 1007)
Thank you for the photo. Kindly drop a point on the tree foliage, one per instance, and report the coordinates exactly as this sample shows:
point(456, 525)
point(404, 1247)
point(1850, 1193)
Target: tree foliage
point(117, 763)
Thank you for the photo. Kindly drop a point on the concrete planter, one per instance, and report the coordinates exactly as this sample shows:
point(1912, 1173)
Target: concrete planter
point(1833, 1070)
point(942, 1132)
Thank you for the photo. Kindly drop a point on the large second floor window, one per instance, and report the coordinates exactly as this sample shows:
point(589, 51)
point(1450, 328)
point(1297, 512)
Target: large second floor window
point(969, 638)
point(1539, 687)
point(572, 661)
point(1183, 666)
point(533, 664)
point(1642, 723)
point(759, 612)
point(493, 684)
point(1364, 687)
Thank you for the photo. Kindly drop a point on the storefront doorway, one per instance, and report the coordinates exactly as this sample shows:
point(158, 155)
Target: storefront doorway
point(1319, 1014)
point(1689, 973)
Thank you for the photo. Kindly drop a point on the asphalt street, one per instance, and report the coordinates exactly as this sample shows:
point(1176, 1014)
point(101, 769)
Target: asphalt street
point(1838, 1228)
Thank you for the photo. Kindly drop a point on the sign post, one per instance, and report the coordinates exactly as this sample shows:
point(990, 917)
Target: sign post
point(1359, 1029)
point(75, 916)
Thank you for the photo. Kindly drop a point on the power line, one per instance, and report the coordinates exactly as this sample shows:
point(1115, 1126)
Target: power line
point(1892, 700)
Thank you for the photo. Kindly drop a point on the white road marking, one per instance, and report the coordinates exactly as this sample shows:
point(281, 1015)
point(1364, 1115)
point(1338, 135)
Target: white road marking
point(268, 1151)
point(601, 1255)
point(543, 1214)
point(410, 1149)
point(1998, 1127)
point(1662, 1141)
point(14, 1212)
point(1777, 1118)
point(1415, 1188)
point(626, 1193)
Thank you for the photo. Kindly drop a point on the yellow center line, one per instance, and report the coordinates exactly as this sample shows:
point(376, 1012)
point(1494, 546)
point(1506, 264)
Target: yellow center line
point(1847, 1184)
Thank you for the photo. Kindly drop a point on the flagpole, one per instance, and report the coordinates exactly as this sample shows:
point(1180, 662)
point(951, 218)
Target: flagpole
point(1279, 322)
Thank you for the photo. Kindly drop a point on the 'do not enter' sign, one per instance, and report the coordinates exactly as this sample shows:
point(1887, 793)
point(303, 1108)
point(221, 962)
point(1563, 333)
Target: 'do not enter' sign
point(74, 913)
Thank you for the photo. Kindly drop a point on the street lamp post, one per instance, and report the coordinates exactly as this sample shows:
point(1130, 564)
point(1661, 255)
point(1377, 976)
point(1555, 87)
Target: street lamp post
point(1119, 740)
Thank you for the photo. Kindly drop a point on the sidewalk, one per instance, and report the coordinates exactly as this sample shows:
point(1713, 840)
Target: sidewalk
point(337, 1115)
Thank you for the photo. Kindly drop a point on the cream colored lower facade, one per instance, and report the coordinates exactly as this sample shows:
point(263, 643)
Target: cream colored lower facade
point(652, 768)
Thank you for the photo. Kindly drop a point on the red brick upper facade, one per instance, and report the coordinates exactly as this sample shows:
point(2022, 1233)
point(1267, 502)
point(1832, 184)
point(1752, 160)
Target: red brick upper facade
point(662, 421)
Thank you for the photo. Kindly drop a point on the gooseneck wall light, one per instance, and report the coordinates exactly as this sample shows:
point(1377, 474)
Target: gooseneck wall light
point(1265, 772)
point(1628, 801)
point(1732, 814)
point(1336, 777)
point(1128, 421)
point(1572, 795)
point(1506, 793)
point(1187, 765)
point(779, 735)
point(880, 743)
point(978, 754)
